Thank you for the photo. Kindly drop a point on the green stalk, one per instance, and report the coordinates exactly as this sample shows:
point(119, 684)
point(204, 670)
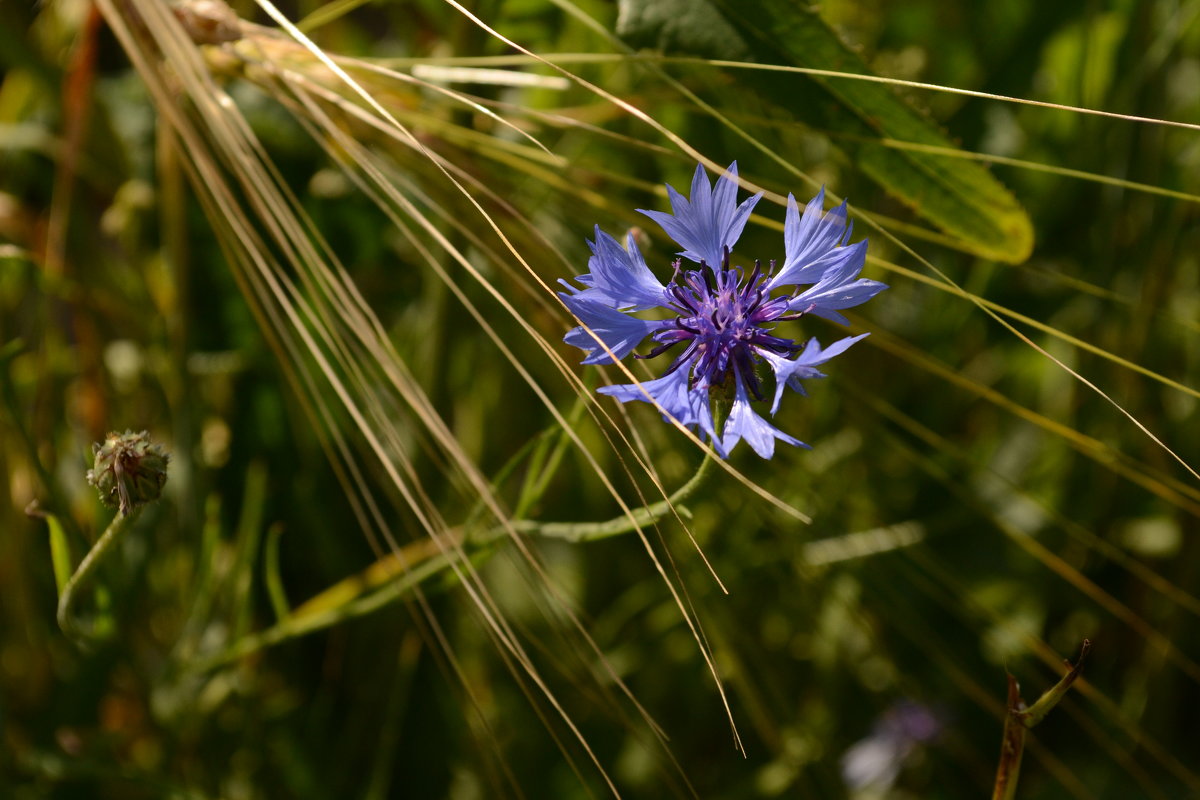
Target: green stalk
point(421, 564)
point(103, 546)
point(1020, 719)
point(626, 523)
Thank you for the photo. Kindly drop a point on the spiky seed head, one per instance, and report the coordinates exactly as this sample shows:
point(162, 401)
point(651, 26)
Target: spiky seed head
point(129, 470)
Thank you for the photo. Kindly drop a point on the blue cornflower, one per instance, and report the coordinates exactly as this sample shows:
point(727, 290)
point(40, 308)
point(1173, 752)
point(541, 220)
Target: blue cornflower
point(722, 318)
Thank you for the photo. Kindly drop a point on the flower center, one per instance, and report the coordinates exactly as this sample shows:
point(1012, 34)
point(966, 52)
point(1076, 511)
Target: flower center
point(722, 313)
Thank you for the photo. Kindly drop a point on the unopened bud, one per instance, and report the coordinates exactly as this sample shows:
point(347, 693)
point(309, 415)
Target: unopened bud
point(130, 470)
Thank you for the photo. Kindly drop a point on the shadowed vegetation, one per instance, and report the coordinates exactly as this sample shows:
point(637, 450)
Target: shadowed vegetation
point(404, 548)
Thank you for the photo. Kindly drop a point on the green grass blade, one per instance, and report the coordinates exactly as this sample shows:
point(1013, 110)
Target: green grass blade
point(60, 552)
point(861, 117)
point(272, 577)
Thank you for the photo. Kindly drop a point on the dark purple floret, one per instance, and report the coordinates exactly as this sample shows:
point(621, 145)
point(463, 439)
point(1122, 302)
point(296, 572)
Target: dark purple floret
point(720, 323)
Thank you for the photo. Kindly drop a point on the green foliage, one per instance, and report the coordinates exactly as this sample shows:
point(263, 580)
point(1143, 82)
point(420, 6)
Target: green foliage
point(330, 295)
point(885, 138)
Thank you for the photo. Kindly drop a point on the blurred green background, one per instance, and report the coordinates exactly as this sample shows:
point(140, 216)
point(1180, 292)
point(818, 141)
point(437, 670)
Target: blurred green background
point(975, 508)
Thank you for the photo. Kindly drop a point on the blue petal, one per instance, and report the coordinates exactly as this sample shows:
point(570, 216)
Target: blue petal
point(837, 288)
point(619, 276)
point(674, 397)
point(810, 239)
point(843, 264)
point(827, 302)
point(849, 295)
point(743, 423)
point(669, 392)
point(620, 332)
point(788, 372)
point(710, 221)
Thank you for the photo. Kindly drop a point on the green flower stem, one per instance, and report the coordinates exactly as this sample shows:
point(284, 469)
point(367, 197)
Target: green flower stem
point(103, 546)
point(348, 598)
point(626, 523)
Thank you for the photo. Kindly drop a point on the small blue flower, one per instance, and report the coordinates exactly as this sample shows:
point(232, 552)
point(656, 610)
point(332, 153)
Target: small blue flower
point(722, 318)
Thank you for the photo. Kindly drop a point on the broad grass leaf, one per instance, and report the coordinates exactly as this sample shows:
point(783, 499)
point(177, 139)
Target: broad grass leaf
point(864, 119)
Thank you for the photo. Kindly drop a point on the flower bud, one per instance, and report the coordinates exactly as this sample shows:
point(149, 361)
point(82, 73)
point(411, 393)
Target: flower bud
point(130, 470)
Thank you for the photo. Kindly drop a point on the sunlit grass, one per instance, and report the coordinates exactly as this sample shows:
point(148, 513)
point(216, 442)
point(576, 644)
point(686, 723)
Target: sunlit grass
point(1005, 469)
